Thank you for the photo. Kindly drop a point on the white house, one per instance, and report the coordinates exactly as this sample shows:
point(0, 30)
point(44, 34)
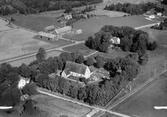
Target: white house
point(159, 14)
point(23, 82)
point(76, 70)
point(68, 17)
point(63, 30)
point(115, 40)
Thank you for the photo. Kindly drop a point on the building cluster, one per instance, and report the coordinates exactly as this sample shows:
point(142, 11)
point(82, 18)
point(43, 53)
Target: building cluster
point(152, 14)
point(52, 33)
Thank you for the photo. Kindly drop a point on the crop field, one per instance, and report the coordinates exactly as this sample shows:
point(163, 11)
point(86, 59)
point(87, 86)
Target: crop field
point(35, 22)
point(94, 24)
point(142, 104)
point(16, 42)
point(56, 107)
point(80, 48)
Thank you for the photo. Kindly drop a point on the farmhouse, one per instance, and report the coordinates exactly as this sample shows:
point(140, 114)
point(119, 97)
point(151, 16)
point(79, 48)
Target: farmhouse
point(63, 30)
point(76, 70)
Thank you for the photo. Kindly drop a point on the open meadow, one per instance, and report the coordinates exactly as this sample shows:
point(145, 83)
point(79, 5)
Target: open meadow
point(94, 24)
point(16, 42)
point(56, 107)
point(142, 104)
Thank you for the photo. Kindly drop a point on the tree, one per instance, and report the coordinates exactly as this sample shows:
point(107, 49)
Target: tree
point(41, 55)
point(99, 62)
point(68, 9)
point(80, 59)
point(30, 89)
point(25, 71)
point(90, 61)
point(152, 46)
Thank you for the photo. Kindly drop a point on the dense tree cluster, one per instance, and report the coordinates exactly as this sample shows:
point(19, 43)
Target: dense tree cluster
point(122, 70)
point(131, 39)
point(164, 1)
point(134, 9)
point(10, 94)
point(35, 6)
point(161, 26)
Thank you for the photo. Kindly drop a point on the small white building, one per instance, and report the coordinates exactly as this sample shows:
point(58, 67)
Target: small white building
point(159, 14)
point(151, 16)
point(115, 40)
point(23, 82)
point(63, 30)
point(68, 17)
point(76, 70)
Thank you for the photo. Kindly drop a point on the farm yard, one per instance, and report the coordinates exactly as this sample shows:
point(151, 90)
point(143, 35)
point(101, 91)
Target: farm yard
point(16, 42)
point(142, 103)
point(56, 107)
point(93, 25)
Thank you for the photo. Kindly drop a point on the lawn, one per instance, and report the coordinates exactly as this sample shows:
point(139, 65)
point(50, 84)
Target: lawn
point(112, 53)
point(142, 103)
point(56, 107)
point(94, 24)
point(35, 22)
point(80, 48)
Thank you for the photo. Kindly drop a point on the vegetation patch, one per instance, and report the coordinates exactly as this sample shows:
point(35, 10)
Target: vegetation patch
point(134, 9)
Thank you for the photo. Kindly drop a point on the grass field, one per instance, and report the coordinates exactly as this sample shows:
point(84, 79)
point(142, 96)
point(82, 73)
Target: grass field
point(80, 48)
point(93, 25)
point(113, 53)
point(16, 42)
point(35, 22)
point(142, 103)
point(56, 107)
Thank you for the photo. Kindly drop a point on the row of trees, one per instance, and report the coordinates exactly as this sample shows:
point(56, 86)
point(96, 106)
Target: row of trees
point(131, 40)
point(134, 9)
point(35, 6)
